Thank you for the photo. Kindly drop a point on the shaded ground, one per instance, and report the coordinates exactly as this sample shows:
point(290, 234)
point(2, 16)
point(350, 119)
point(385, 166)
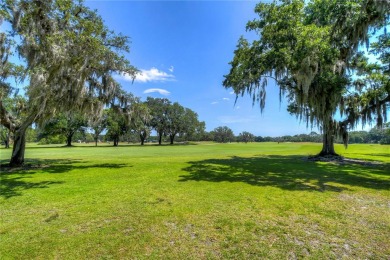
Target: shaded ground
point(13, 180)
point(288, 172)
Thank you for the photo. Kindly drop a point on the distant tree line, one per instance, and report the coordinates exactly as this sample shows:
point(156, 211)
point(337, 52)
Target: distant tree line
point(113, 129)
point(375, 135)
point(132, 122)
point(225, 134)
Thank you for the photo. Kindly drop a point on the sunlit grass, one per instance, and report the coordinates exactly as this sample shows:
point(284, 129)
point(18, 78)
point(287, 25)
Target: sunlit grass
point(195, 201)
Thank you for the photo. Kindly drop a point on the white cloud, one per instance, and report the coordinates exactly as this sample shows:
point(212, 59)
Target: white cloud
point(158, 90)
point(171, 69)
point(226, 99)
point(214, 103)
point(231, 93)
point(150, 75)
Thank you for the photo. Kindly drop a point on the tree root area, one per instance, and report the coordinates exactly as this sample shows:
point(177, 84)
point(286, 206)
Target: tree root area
point(337, 159)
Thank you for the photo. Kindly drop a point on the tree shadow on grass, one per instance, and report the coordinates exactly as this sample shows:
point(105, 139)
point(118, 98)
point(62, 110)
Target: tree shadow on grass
point(102, 146)
point(289, 172)
point(11, 187)
point(14, 180)
point(386, 155)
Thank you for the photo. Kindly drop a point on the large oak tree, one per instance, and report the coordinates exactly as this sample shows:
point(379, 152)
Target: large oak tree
point(140, 120)
point(159, 108)
point(65, 124)
point(308, 48)
point(68, 57)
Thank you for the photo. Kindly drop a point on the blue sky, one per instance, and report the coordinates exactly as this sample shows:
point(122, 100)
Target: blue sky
point(183, 49)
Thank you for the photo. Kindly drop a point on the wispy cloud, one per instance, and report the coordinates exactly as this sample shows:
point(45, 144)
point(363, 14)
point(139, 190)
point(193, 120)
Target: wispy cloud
point(231, 92)
point(154, 75)
point(163, 92)
point(214, 103)
point(171, 69)
point(151, 75)
point(226, 99)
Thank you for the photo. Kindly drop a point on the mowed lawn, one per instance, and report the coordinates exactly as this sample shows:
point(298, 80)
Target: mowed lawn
point(204, 201)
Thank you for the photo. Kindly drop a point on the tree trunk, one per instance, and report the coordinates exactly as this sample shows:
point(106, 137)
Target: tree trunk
point(171, 137)
point(96, 140)
point(17, 158)
point(7, 137)
point(19, 147)
point(69, 140)
point(159, 138)
point(328, 143)
point(142, 137)
point(116, 141)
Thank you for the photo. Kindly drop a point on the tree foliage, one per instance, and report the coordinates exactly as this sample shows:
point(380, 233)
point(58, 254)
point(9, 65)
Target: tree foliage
point(116, 125)
point(175, 120)
point(65, 124)
point(98, 123)
point(371, 96)
point(246, 137)
point(307, 47)
point(181, 121)
point(172, 119)
point(223, 134)
point(140, 122)
point(159, 110)
point(68, 57)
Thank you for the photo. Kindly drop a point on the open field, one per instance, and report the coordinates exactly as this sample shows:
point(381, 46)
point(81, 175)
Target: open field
point(241, 201)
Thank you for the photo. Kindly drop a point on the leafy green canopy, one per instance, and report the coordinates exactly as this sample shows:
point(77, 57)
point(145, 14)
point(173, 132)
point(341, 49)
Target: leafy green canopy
point(69, 56)
point(371, 99)
point(307, 50)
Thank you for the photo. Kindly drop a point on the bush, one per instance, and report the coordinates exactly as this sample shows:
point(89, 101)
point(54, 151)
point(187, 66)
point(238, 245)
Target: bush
point(55, 139)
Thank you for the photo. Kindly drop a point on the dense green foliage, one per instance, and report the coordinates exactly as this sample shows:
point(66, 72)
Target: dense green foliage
point(65, 124)
point(98, 124)
point(231, 201)
point(374, 136)
point(245, 137)
point(140, 122)
point(169, 119)
point(116, 125)
point(309, 48)
point(159, 111)
point(132, 120)
point(68, 57)
point(223, 134)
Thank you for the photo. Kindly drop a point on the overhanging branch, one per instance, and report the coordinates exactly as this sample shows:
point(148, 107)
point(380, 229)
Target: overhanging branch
point(5, 118)
point(351, 120)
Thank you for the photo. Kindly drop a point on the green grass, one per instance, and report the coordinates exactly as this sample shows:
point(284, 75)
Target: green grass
point(238, 201)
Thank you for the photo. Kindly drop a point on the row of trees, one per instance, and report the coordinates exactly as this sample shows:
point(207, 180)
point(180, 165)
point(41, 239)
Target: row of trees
point(173, 119)
point(312, 49)
point(137, 119)
point(225, 134)
point(375, 135)
point(60, 130)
